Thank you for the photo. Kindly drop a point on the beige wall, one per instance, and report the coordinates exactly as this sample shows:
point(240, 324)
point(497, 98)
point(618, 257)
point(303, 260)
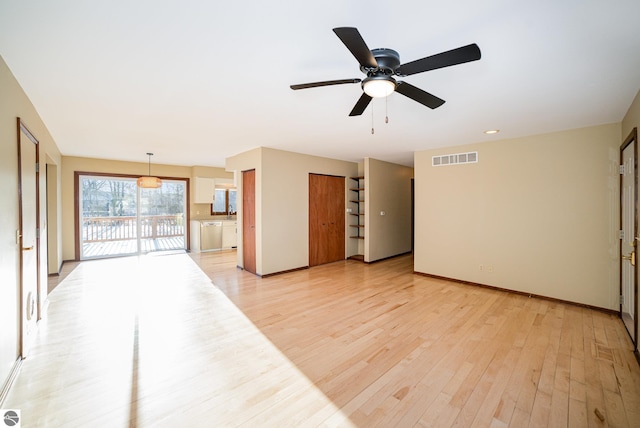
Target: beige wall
point(72, 164)
point(540, 214)
point(14, 103)
point(247, 161)
point(282, 207)
point(388, 190)
point(632, 118)
point(54, 209)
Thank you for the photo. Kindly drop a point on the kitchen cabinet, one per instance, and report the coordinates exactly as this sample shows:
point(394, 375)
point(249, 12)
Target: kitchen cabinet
point(204, 190)
point(229, 234)
point(213, 235)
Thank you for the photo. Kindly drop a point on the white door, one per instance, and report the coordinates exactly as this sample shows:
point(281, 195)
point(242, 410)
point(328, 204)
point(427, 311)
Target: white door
point(628, 241)
point(28, 237)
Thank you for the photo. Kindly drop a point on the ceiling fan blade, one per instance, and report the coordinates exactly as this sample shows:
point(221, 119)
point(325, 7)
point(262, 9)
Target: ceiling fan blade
point(418, 95)
point(355, 43)
point(445, 59)
point(327, 83)
point(361, 105)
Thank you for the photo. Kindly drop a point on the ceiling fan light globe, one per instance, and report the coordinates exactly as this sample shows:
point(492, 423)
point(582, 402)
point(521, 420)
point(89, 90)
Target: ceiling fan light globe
point(378, 87)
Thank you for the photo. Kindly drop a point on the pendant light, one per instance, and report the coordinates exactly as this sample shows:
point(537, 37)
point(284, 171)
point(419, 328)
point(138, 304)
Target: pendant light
point(147, 181)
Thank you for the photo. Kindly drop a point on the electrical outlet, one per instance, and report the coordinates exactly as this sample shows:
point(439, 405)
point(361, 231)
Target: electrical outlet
point(349, 210)
point(481, 268)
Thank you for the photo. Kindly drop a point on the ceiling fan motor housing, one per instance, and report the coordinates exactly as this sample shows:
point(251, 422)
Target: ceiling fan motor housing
point(388, 60)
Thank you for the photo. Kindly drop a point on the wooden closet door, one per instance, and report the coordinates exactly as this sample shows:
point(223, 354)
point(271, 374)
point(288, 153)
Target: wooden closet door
point(249, 220)
point(326, 219)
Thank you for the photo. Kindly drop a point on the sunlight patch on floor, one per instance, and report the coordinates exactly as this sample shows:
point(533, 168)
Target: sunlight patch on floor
point(150, 338)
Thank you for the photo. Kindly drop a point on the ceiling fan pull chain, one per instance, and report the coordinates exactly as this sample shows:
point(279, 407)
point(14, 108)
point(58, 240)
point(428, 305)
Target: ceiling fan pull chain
point(386, 110)
point(372, 131)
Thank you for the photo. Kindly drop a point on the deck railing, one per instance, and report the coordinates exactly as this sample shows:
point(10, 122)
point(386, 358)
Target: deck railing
point(101, 229)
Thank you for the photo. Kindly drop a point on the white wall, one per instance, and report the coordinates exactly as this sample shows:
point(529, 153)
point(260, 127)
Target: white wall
point(539, 213)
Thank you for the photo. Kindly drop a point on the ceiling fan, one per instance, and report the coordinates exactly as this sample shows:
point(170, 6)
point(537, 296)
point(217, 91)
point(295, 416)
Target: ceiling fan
point(381, 64)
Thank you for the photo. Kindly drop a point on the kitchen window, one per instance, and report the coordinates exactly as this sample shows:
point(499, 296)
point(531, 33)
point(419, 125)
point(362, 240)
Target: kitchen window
point(224, 202)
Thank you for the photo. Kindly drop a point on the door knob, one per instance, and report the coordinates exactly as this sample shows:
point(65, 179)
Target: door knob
point(27, 248)
point(631, 257)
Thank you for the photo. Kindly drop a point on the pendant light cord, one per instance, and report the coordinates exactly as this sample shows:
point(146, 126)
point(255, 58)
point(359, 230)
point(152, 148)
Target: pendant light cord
point(149, 154)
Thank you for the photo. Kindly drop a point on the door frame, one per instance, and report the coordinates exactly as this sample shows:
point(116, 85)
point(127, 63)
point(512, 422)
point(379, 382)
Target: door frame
point(631, 139)
point(24, 130)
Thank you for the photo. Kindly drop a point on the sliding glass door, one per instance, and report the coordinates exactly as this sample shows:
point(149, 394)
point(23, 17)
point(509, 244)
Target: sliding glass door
point(118, 218)
point(162, 214)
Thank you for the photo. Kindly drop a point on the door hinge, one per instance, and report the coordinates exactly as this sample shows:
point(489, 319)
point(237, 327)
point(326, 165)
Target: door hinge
point(621, 234)
point(37, 166)
point(37, 232)
point(622, 299)
point(621, 169)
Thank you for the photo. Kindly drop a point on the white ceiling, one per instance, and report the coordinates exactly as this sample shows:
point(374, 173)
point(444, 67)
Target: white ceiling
point(198, 81)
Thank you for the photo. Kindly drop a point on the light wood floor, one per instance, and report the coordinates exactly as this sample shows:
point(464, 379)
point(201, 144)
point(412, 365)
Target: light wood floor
point(153, 341)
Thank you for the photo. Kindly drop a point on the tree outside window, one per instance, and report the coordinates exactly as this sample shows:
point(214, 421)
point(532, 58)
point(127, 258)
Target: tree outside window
point(225, 202)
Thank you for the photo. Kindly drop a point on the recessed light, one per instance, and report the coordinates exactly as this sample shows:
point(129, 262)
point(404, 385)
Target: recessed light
point(492, 131)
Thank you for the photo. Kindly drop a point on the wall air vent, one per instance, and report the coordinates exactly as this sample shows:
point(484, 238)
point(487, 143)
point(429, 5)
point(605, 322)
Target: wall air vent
point(458, 158)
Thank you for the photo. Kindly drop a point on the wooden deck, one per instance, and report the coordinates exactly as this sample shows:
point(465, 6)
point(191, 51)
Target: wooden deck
point(190, 340)
point(91, 250)
point(116, 235)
